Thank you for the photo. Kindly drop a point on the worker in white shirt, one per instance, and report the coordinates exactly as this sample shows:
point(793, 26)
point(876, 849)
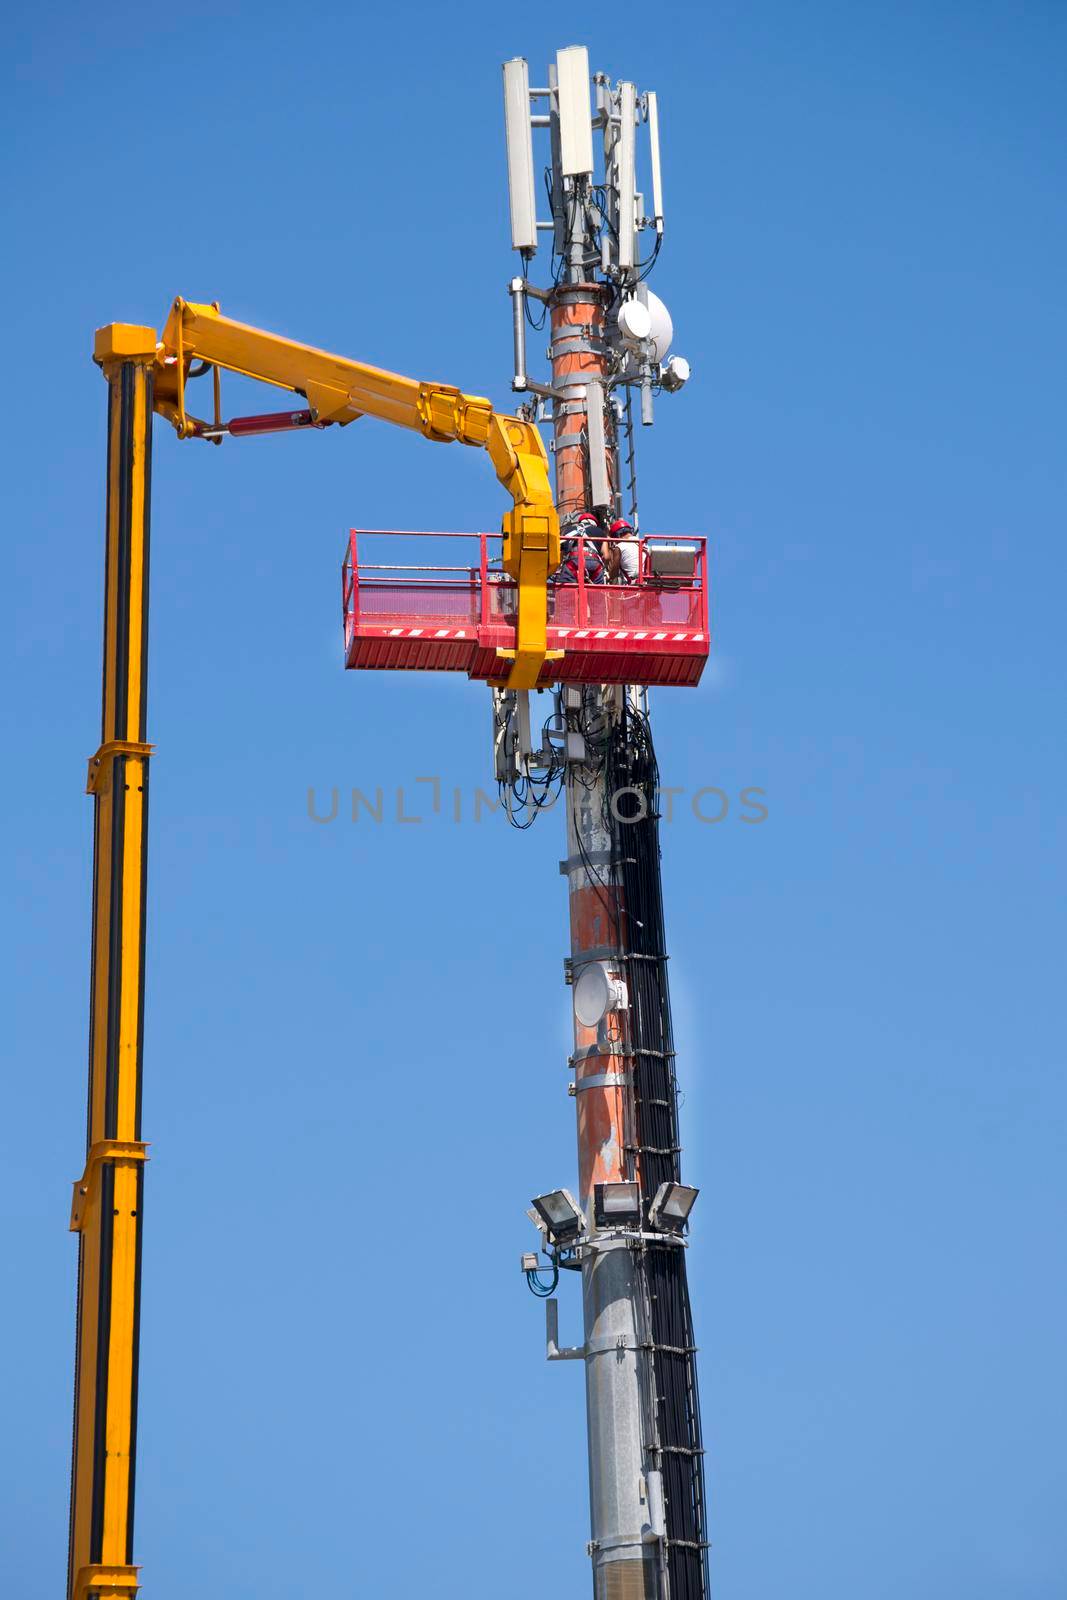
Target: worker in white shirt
point(620, 553)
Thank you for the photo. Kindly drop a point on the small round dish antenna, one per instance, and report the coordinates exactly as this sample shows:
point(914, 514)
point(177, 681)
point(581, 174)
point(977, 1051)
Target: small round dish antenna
point(592, 994)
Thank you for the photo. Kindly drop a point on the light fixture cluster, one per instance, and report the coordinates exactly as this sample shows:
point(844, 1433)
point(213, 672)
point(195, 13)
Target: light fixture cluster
point(559, 1216)
point(669, 1211)
point(615, 1205)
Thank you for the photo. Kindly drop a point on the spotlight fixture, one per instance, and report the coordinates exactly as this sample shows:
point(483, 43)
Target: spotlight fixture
point(669, 1211)
point(616, 1204)
point(561, 1215)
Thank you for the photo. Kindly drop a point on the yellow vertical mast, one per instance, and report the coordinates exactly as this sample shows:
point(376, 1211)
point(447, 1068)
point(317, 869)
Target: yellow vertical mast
point(106, 1211)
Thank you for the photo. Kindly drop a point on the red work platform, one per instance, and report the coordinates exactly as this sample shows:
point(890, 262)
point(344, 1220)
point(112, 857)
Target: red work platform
point(434, 617)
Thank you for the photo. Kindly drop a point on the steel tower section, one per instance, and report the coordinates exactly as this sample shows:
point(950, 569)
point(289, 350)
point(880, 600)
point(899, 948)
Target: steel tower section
point(625, 1507)
point(647, 1508)
point(627, 1525)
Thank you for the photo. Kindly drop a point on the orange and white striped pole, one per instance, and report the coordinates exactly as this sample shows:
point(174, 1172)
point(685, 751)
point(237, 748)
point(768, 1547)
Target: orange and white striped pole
point(626, 1506)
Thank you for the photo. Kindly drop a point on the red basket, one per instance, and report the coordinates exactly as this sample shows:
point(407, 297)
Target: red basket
point(439, 617)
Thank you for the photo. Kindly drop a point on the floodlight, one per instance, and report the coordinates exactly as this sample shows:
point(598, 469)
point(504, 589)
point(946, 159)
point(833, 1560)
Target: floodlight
point(616, 1204)
point(626, 170)
point(653, 140)
point(519, 137)
point(561, 1214)
point(575, 119)
point(678, 561)
point(670, 1209)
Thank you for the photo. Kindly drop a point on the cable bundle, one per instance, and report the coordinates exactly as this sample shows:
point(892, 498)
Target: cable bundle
point(632, 779)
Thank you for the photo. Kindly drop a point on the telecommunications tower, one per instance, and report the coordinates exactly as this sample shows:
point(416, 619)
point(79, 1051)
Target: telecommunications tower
point(625, 1230)
point(569, 607)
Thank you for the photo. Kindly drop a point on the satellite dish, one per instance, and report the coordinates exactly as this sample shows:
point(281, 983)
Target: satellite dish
point(592, 994)
point(635, 322)
point(661, 327)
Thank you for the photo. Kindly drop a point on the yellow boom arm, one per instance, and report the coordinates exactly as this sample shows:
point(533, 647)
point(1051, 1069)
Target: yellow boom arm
point(146, 374)
point(340, 390)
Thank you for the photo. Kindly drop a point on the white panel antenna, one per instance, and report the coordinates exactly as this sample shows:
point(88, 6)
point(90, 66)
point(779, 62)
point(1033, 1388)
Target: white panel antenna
point(519, 134)
point(575, 118)
point(657, 180)
point(599, 482)
point(626, 172)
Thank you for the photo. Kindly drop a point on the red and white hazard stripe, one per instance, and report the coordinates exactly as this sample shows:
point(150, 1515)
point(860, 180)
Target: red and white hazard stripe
point(425, 633)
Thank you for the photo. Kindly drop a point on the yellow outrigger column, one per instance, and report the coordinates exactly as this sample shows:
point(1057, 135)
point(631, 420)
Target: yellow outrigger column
point(106, 1211)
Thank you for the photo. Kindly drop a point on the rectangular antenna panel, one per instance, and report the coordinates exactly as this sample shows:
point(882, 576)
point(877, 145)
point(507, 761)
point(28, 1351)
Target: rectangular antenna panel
point(599, 487)
point(575, 118)
point(519, 136)
point(559, 218)
point(626, 172)
point(657, 180)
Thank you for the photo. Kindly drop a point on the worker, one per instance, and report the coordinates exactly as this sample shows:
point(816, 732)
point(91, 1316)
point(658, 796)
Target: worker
point(582, 525)
point(619, 553)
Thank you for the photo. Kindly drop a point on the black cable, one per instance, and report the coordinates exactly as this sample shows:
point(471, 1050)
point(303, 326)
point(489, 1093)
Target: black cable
point(598, 191)
point(558, 263)
point(645, 267)
point(631, 766)
point(526, 796)
point(526, 257)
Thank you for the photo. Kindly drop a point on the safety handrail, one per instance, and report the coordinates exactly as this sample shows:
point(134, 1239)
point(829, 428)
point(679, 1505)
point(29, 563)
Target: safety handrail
point(488, 579)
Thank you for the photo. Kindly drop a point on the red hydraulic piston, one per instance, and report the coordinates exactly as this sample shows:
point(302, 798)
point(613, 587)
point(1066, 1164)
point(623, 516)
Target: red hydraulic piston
point(269, 422)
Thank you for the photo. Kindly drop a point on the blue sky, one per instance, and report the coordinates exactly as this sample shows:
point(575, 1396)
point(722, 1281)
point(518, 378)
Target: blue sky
point(352, 1026)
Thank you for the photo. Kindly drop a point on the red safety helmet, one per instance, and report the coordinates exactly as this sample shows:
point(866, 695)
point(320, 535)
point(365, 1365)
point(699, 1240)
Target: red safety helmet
point(576, 524)
point(620, 525)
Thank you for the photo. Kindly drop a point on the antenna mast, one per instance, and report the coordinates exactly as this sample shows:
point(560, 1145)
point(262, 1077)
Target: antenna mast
point(624, 1233)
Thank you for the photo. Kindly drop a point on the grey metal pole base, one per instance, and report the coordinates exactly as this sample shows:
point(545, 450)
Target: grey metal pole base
point(625, 1497)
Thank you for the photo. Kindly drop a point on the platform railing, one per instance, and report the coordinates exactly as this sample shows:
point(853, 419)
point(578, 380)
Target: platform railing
point(490, 590)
